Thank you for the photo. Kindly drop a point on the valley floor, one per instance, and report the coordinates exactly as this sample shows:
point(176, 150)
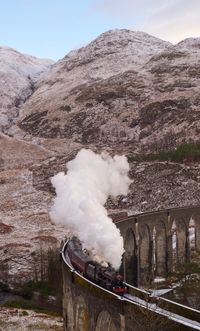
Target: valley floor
point(27, 320)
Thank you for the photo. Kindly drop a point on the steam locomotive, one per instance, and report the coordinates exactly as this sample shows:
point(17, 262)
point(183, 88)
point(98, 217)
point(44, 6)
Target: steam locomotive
point(105, 277)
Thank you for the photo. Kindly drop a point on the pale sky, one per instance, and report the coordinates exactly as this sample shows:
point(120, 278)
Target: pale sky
point(51, 28)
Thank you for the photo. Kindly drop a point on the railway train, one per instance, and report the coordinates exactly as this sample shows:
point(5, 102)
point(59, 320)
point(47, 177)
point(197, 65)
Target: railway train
point(106, 277)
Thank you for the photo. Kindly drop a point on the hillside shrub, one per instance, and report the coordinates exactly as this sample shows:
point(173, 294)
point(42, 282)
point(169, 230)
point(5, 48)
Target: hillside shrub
point(187, 152)
point(4, 287)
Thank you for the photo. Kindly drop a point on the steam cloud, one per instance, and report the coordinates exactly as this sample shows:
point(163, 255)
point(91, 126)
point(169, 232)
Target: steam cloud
point(80, 199)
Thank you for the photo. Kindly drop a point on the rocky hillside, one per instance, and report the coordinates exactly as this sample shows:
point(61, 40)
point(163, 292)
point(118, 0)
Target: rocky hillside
point(126, 92)
point(94, 91)
point(18, 73)
point(25, 226)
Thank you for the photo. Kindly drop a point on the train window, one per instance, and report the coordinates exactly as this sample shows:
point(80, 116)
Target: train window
point(91, 271)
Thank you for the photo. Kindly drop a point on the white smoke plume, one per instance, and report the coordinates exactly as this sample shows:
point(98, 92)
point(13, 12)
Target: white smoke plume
point(80, 198)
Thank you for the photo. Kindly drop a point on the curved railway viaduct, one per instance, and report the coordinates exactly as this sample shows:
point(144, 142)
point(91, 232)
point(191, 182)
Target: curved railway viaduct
point(155, 243)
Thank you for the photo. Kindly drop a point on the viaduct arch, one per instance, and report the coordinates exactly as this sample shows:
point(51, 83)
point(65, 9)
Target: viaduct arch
point(159, 242)
point(154, 244)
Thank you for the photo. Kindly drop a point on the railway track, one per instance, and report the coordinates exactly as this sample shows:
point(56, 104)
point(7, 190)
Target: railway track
point(154, 307)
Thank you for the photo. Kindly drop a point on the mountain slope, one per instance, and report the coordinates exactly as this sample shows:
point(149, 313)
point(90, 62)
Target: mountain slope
point(91, 87)
point(18, 73)
point(126, 92)
point(125, 89)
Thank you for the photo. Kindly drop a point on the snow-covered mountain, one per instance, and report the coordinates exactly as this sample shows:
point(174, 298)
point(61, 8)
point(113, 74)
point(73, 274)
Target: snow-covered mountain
point(125, 89)
point(113, 53)
point(18, 73)
point(125, 92)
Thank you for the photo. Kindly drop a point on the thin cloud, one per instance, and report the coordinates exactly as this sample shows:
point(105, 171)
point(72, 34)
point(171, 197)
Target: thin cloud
point(173, 20)
point(176, 23)
point(129, 8)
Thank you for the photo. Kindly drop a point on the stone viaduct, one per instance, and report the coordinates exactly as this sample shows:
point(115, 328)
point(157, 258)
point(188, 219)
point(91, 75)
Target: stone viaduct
point(155, 243)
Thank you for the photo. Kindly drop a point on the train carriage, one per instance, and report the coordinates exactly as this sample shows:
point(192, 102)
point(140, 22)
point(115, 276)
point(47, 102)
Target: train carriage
point(105, 277)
